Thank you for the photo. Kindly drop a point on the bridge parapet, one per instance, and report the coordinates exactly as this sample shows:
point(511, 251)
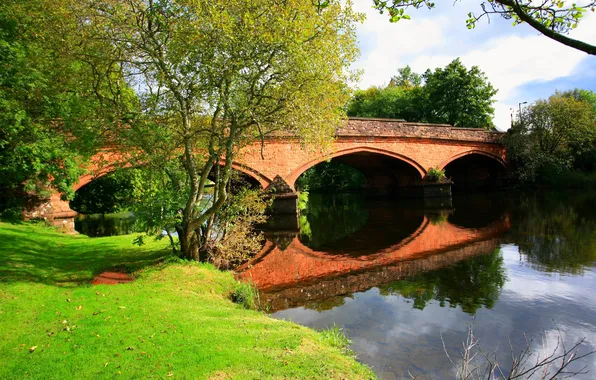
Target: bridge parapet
point(357, 126)
point(397, 128)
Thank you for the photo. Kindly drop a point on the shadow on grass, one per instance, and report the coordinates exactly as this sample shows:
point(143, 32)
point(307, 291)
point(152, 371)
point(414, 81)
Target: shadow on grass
point(32, 253)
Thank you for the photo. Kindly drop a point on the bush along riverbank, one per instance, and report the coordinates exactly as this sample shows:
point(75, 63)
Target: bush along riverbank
point(176, 319)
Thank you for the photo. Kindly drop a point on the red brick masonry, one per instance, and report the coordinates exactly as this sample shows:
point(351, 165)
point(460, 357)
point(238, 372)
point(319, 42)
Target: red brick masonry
point(422, 146)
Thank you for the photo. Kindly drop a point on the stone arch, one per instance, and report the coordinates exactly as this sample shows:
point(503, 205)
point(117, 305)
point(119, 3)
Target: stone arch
point(475, 170)
point(263, 180)
point(344, 152)
point(88, 178)
point(497, 158)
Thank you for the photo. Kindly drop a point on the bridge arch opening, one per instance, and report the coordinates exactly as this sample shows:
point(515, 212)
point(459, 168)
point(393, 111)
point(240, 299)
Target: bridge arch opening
point(475, 170)
point(240, 179)
point(104, 193)
point(375, 172)
point(249, 176)
point(110, 189)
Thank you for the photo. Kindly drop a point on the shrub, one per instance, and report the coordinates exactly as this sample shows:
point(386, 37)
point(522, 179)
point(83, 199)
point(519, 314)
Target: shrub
point(336, 338)
point(436, 175)
point(233, 239)
point(245, 294)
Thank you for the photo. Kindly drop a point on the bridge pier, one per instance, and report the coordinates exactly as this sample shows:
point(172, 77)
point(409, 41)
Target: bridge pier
point(284, 204)
point(285, 198)
point(55, 211)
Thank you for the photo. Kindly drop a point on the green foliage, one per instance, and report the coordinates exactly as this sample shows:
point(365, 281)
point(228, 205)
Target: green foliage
point(436, 175)
point(553, 137)
point(406, 78)
point(469, 284)
point(246, 294)
point(557, 231)
point(455, 95)
point(459, 96)
point(391, 102)
point(322, 221)
point(233, 237)
point(438, 218)
point(157, 197)
point(97, 225)
point(49, 114)
point(215, 75)
point(330, 176)
point(108, 194)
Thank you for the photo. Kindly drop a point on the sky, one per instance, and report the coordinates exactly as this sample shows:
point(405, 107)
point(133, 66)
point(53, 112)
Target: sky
point(522, 64)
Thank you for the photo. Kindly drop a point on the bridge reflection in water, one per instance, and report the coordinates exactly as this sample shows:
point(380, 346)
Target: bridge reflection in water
point(389, 243)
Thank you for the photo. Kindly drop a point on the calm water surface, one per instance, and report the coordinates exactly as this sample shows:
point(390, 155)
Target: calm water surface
point(99, 225)
point(401, 278)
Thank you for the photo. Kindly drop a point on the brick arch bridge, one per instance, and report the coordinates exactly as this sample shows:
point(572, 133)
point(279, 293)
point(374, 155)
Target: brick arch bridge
point(392, 154)
point(379, 147)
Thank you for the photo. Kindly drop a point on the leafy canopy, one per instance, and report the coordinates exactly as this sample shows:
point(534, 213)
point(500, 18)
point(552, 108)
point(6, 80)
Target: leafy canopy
point(50, 116)
point(459, 96)
point(553, 136)
point(455, 95)
point(212, 76)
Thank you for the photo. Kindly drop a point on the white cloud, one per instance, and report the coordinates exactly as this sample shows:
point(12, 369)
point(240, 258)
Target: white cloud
point(433, 39)
point(387, 46)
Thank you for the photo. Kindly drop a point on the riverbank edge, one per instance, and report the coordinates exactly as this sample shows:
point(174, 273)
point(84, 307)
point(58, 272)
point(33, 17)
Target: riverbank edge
point(175, 320)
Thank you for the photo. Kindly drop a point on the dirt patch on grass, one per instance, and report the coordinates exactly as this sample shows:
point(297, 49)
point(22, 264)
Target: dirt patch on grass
point(112, 278)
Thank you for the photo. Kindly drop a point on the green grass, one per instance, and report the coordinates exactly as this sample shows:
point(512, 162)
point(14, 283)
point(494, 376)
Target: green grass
point(246, 294)
point(335, 336)
point(175, 321)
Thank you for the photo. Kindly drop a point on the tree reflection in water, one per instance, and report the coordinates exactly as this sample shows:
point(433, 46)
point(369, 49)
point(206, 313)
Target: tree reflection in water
point(556, 232)
point(469, 284)
point(325, 219)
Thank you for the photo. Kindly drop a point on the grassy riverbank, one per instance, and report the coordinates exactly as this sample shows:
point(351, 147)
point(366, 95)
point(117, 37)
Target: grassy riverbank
point(175, 320)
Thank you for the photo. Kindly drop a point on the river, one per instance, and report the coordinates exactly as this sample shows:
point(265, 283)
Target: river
point(405, 280)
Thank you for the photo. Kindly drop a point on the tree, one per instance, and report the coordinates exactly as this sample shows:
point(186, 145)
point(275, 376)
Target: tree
point(552, 18)
point(212, 76)
point(552, 136)
point(49, 114)
point(108, 194)
point(331, 177)
point(406, 78)
point(394, 102)
point(458, 96)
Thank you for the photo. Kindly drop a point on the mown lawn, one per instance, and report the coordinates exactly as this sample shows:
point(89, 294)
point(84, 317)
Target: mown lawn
point(174, 321)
